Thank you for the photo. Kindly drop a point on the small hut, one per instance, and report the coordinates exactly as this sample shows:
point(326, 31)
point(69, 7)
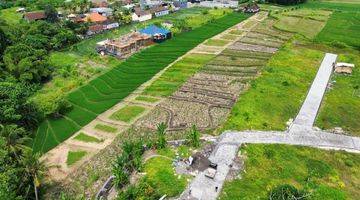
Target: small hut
point(344, 68)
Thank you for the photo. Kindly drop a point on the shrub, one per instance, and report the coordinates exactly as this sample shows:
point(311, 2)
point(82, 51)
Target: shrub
point(338, 44)
point(127, 162)
point(193, 138)
point(287, 192)
point(161, 131)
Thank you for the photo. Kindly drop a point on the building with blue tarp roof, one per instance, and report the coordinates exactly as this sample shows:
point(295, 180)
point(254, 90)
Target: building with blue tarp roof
point(158, 34)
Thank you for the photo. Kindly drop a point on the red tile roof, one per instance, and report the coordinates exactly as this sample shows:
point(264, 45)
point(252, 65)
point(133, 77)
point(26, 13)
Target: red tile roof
point(95, 17)
point(31, 16)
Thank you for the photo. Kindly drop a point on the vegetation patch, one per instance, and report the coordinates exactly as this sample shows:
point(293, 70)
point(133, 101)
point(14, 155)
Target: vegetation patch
point(266, 105)
point(303, 25)
point(177, 74)
point(105, 128)
point(74, 156)
point(109, 88)
point(215, 42)
point(341, 104)
point(160, 172)
point(10, 16)
point(229, 37)
point(87, 138)
point(299, 171)
point(147, 99)
point(127, 113)
point(342, 27)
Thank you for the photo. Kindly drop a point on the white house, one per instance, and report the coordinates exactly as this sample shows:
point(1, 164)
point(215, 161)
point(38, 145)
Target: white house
point(160, 11)
point(141, 15)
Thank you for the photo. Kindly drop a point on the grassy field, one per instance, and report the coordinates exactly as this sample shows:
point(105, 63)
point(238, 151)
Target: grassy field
point(127, 113)
point(276, 96)
point(177, 74)
point(332, 5)
point(341, 105)
point(111, 87)
point(74, 156)
point(324, 174)
point(342, 27)
point(302, 21)
point(10, 16)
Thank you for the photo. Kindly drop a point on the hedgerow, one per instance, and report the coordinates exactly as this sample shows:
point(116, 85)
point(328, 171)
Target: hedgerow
point(108, 89)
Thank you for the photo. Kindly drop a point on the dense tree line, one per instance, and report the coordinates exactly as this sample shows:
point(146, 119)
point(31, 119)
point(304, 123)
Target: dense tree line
point(24, 67)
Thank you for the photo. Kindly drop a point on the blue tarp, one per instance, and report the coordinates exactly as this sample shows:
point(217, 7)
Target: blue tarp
point(152, 30)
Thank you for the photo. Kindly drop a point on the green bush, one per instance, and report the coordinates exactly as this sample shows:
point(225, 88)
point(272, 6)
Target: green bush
point(287, 192)
point(193, 137)
point(161, 132)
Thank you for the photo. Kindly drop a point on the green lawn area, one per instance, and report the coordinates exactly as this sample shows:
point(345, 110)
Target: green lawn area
point(216, 42)
point(342, 27)
point(177, 74)
point(10, 16)
point(341, 105)
point(160, 172)
point(330, 175)
point(277, 95)
point(105, 128)
point(127, 113)
point(87, 138)
point(147, 99)
point(74, 156)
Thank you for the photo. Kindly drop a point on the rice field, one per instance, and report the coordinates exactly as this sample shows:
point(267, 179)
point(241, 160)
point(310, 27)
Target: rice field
point(111, 87)
point(342, 27)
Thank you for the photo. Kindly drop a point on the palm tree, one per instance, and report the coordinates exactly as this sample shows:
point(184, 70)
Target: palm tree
point(15, 138)
point(34, 169)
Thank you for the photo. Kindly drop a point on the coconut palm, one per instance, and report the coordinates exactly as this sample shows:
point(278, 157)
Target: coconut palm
point(34, 169)
point(15, 138)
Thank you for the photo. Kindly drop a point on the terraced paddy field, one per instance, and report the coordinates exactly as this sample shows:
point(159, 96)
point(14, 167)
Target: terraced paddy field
point(207, 97)
point(108, 89)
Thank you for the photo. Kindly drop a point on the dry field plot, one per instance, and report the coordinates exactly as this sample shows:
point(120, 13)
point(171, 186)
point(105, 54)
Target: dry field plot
point(207, 97)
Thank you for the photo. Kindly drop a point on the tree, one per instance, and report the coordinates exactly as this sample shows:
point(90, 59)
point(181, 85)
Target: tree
point(26, 64)
point(63, 38)
point(193, 137)
point(161, 131)
point(3, 42)
point(34, 170)
point(15, 139)
point(14, 105)
point(51, 13)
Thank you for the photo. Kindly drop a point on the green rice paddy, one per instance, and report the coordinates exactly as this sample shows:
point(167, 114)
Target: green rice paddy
point(127, 113)
point(105, 128)
point(111, 87)
point(87, 138)
point(74, 156)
